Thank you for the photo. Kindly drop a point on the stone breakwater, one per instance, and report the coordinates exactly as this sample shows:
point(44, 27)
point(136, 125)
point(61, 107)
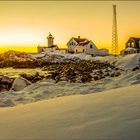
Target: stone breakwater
point(81, 71)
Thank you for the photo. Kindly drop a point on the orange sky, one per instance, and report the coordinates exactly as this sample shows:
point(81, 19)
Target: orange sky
point(27, 24)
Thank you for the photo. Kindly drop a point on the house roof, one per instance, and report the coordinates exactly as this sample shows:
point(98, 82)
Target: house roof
point(103, 49)
point(52, 46)
point(136, 39)
point(84, 43)
point(62, 48)
point(41, 46)
point(78, 40)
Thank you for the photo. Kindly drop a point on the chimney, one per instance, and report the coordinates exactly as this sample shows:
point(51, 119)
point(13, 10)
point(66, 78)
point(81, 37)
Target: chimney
point(78, 37)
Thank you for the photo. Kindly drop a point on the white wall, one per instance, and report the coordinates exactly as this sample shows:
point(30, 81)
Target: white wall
point(103, 52)
point(80, 49)
point(92, 51)
point(41, 49)
point(50, 42)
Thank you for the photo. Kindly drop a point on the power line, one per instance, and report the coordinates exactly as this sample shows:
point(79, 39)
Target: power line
point(115, 49)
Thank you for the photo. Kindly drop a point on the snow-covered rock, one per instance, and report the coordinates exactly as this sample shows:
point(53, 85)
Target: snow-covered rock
point(20, 83)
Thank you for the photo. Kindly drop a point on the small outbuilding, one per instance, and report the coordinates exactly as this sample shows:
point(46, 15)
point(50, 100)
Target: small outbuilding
point(103, 52)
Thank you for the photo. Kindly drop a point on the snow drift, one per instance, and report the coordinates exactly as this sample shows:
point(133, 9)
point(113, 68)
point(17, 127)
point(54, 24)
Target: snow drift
point(129, 61)
point(109, 115)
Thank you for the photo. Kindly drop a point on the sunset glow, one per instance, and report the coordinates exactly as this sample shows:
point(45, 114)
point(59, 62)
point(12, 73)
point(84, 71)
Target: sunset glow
point(25, 24)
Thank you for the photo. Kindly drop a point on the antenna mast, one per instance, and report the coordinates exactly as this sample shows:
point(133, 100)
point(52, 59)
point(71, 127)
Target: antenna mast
point(115, 49)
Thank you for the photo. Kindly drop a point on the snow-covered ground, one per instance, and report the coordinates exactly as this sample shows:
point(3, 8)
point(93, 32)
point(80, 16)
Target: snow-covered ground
point(127, 61)
point(109, 115)
point(48, 89)
point(106, 109)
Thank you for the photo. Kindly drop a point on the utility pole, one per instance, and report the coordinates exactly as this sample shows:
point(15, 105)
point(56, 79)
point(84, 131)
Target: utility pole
point(115, 49)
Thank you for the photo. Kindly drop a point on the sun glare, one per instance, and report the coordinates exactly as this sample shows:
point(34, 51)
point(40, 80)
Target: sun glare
point(17, 38)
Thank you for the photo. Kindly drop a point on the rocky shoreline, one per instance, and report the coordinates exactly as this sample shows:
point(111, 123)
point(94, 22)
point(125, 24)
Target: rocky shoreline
point(80, 71)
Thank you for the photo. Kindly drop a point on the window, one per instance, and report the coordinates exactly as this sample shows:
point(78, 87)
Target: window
point(83, 50)
point(91, 46)
point(72, 43)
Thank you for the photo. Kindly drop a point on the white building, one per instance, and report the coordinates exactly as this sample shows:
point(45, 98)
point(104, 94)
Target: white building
point(82, 45)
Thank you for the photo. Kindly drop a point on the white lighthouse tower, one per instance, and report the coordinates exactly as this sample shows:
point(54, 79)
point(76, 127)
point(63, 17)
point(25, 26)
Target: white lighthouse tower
point(50, 40)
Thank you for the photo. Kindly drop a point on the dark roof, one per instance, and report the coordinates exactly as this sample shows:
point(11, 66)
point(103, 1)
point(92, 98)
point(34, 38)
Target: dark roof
point(103, 49)
point(41, 46)
point(84, 43)
point(50, 35)
point(52, 46)
point(62, 48)
point(78, 40)
point(136, 39)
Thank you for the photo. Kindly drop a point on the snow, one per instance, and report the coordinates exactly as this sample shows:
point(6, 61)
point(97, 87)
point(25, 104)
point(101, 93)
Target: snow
point(20, 83)
point(99, 110)
point(48, 89)
point(71, 56)
point(106, 115)
point(126, 62)
point(37, 55)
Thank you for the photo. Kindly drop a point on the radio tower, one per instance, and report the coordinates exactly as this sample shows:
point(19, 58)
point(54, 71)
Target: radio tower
point(115, 50)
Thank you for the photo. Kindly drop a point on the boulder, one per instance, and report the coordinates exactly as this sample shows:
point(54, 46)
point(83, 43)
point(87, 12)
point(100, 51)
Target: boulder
point(86, 78)
point(115, 74)
point(96, 77)
point(33, 78)
point(20, 83)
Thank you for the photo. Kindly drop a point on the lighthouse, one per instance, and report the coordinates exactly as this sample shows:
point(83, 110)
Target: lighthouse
point(51, 47)
point(50, 40)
